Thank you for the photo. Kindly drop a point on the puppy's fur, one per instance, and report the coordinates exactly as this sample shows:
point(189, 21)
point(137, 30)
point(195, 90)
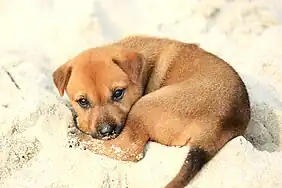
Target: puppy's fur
point(175, 93)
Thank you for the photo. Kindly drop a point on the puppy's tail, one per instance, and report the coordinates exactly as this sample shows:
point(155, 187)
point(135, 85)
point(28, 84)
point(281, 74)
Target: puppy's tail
point(193, 163)
point(198, 156)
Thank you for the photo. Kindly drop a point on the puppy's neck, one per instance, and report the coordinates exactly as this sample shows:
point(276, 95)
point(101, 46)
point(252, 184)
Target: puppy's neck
point(146, 74)
point(154, 70)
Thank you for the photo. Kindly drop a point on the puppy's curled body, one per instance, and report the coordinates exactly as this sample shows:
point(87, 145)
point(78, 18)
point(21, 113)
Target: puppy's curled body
point(180, 95)
point(193, 98)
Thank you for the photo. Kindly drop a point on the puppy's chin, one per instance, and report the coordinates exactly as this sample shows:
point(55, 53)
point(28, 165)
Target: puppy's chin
point(114, 135)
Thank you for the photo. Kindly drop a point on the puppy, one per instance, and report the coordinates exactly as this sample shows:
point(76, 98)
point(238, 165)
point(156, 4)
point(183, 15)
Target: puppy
point(143, 88)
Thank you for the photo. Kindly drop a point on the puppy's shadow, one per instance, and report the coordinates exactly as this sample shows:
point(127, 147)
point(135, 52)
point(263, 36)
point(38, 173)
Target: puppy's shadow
point(263, 130)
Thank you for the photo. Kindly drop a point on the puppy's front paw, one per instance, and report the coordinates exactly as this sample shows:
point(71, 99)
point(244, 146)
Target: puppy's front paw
point(88, 143)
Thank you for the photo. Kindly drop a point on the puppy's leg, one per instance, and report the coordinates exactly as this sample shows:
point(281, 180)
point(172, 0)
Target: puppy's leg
point(128, 146)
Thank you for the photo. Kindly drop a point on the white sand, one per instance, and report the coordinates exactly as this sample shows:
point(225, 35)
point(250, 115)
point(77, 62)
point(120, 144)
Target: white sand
point(37, 36)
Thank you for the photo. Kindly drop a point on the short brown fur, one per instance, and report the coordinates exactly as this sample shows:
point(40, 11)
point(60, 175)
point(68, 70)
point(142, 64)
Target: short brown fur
point(176, 94)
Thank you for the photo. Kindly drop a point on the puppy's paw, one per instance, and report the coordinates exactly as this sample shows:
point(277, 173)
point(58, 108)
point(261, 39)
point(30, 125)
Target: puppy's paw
point(88, 143)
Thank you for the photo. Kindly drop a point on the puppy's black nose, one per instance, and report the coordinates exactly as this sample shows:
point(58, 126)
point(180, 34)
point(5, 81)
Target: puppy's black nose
point(106, 129)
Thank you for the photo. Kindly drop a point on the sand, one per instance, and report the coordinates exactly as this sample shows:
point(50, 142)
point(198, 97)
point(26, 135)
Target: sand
point(37, 36)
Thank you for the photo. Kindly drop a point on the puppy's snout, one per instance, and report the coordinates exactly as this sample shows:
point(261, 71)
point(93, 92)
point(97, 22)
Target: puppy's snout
point(106, 129)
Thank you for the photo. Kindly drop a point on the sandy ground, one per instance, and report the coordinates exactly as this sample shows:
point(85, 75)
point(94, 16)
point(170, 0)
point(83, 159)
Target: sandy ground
point(37, 36)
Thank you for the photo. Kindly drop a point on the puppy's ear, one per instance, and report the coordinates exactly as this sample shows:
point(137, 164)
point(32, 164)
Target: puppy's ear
point(132, 63)
point(61, 77)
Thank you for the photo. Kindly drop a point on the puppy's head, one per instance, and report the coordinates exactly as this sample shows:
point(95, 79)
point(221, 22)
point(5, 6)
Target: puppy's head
point(102, 85)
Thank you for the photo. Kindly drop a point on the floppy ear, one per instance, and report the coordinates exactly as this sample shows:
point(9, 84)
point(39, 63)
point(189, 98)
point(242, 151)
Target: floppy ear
point(132, 63)
point(61, 77)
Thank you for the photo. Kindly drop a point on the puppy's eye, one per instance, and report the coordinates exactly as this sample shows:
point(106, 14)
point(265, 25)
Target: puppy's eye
point(118, 94)
point(84, 103)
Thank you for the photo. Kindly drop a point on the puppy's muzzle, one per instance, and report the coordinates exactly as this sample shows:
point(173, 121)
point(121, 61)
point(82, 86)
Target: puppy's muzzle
point(107, 131)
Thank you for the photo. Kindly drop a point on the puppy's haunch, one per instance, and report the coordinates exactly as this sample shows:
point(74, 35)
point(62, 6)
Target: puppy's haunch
point(143, 88)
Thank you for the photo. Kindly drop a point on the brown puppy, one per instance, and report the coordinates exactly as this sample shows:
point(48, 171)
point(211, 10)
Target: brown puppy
point(145, 88)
